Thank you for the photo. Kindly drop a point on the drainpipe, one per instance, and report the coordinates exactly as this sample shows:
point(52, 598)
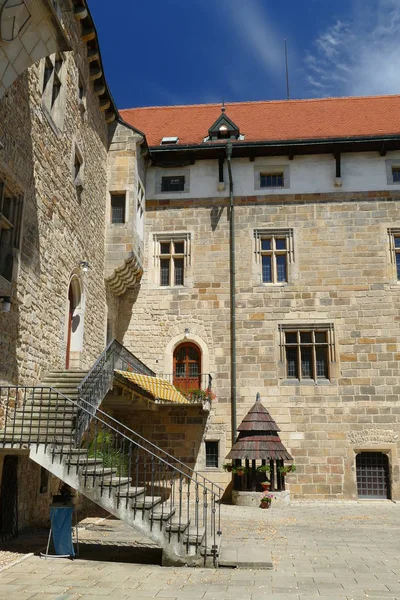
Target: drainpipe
point(232, 291)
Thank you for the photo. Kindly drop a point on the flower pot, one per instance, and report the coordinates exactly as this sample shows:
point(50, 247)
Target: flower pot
point(265, 504)
point(265, 486)
point(240, 473)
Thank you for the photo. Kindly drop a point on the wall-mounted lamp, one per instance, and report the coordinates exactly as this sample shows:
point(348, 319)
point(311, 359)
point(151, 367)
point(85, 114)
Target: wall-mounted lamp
point(5, 303)
point(187, 332)
point(84, 265)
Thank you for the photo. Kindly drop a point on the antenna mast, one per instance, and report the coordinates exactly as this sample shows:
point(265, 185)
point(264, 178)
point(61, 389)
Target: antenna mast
point(287, 73)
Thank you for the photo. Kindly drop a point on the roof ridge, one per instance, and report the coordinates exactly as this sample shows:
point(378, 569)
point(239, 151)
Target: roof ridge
point(247, 102)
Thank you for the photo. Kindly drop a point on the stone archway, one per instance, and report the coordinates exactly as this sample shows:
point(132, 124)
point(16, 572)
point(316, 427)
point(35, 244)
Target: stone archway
point(75, 324)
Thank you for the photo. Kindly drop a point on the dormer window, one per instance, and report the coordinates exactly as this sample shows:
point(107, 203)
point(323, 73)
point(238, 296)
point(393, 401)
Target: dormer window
point(169, 140)
point(224, 129)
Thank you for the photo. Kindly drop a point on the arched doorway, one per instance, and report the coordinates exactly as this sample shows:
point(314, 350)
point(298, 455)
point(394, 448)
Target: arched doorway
point(373, 475)
point(187, 366)
point(74, 324)
point(9, 498)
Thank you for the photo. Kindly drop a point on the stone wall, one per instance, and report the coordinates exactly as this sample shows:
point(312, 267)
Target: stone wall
point(62, 226)
point(342, 274)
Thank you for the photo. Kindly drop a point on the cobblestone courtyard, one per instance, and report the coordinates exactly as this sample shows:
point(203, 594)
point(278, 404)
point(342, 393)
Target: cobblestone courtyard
point(332, 551)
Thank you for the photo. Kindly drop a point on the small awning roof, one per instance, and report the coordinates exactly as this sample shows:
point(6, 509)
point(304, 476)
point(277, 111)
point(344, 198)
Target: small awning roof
point(162, 391)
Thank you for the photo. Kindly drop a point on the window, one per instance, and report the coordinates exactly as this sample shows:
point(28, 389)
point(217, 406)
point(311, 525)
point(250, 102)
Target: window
point(140, 209)
point(118, 202)
point(173, 257)
point(307, 352)
point(394, 241)
point(271, 180)
point(81, 94)
point(271, 176)
point(52, 89)
point(396, 174)
point(173, 183)
point(274, 252)
point(78, 170)
point(10, 229)
point(172, 263)
point(44, 480)
point(212, 454)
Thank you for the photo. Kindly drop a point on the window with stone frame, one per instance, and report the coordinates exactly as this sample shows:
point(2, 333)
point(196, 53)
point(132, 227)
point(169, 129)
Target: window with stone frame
point(394, 243)
point(10, 229)
point(172, 255)
point(140, 209)
point(274, 253)
point(212, 453)
point(307, 352)
point(53, 93)
point(118, 208)
point(173, 183)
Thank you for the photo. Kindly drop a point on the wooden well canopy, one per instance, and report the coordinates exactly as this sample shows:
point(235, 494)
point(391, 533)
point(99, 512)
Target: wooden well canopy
point(258, 437)
point(259, 442)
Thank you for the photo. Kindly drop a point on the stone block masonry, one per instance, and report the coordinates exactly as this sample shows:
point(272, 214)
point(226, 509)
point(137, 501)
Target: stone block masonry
point(342, 274)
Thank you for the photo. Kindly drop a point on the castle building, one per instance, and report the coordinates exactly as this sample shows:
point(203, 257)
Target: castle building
point(314, 206)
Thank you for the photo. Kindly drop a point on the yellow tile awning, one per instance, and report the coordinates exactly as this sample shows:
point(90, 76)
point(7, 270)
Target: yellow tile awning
point(161, 390)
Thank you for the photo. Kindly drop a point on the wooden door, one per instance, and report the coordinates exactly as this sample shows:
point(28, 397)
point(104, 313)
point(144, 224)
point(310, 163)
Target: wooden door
point(187, 367)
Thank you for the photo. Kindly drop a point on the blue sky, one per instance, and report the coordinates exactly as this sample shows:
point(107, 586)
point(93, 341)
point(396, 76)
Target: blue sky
point(164, 52)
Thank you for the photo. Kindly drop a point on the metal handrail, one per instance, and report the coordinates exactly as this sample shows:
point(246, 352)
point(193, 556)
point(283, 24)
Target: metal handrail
point(98, 381)
point(118, 459)
point(170, 457)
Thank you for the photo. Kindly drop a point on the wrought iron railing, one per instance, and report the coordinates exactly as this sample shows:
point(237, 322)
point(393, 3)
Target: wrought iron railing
point(94, 387)
point(118, 460)
point(186, 383)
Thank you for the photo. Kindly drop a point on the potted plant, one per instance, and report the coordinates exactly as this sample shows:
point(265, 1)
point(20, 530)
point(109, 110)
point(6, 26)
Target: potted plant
point(227, 467)
point(263, 469)
point(266, 500)
point(287, 469)
point(265, 485)
point(239, 470)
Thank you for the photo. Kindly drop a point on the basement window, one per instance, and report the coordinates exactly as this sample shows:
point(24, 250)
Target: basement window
point(396, 174)
point(173, 183)
point(212, 454)
point(268, 180)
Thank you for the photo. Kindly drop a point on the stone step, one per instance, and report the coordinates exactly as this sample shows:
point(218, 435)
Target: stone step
point(146, 502)
point(131, 492)
point(175, 526)
point(98, 472)
point(43, 420)
point(116, 481)
point(26, 438)
point(164, 515)
point(82, 461)
point(44, 409)
point(193, 537)
point(68, 372)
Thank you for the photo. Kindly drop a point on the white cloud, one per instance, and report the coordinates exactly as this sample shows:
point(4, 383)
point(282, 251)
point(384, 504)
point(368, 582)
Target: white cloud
point(360, 56)
point(255, 32)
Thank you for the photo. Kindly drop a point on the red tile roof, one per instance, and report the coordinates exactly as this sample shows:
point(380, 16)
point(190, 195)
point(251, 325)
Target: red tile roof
point(274, 120)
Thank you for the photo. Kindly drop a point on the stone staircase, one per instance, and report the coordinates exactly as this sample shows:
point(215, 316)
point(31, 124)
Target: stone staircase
point(114, 467)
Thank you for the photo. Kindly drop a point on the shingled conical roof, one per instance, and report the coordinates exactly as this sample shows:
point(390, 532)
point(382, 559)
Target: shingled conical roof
point(258, 437)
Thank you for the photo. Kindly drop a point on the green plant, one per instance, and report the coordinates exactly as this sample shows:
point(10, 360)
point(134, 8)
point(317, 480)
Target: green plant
point(239, 470)
point(198, 395)
point(263, 469)
point(227, 467)
point(102, 447)
point(267, 499)
point(287, 469)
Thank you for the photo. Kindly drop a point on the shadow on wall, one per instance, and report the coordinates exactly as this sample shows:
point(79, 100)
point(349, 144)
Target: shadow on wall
point(16, 159)
point(177, 430)
point(125, 306)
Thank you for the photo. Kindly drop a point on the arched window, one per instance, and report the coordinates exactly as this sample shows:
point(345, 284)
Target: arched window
point(187, 366)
